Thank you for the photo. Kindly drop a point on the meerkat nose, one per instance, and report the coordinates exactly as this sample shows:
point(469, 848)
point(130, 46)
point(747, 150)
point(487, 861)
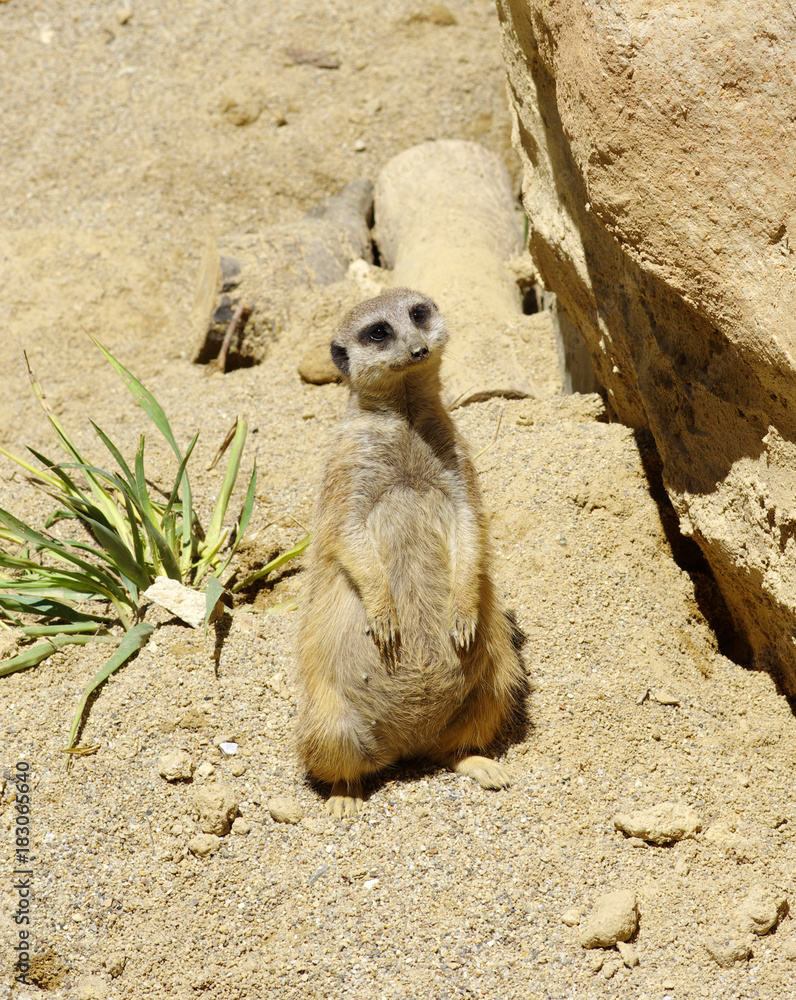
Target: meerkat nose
point(419, 352)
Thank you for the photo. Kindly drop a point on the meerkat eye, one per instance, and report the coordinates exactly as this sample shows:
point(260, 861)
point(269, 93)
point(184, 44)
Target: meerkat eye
point(376, 333)
point(419, 314)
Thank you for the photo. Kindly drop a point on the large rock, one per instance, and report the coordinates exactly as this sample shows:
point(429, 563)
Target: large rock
point(659, 150)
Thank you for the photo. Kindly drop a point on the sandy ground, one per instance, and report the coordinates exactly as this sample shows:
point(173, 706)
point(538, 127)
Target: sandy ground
point(119, 162)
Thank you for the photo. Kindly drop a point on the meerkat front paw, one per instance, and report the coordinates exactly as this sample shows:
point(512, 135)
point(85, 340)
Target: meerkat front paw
point(462, 627)
point(345, 800)
point(384, 629)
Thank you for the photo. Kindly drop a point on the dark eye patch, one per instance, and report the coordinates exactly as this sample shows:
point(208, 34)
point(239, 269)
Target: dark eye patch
point(340, 357)
point(376, 333)
point(420, 314)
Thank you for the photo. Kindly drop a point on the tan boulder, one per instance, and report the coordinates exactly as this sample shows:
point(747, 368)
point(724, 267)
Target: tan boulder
point(659, 157)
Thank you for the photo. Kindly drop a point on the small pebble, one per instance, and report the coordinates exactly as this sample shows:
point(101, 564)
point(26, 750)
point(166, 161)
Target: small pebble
point(124, 13)
point(322, 60)
point(205, 770)
point(788, 947)
point(114, 964)
point(664, 696)
point(317, 368)
point(726, 946)
point(614, 917)
point(241, 826)
point(204, 844)
point(238, 768)
point(571, 917)
point(596, 960)
point(610, 967)
point(176, 765)
point(663, 823)
point(628, 953)
point(360, 146)
point(217, 805)
point(761, 911)
point(285, 810)
point(92, 988)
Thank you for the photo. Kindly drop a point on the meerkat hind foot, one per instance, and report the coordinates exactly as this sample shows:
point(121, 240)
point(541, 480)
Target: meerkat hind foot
point(345, 800)
point(488, 773)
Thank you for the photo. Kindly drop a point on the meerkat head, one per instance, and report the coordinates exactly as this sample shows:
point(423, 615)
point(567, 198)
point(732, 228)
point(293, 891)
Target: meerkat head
point(388, 337)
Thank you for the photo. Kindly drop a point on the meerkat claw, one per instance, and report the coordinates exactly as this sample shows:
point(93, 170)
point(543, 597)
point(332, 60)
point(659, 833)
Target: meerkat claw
point(463, 632)
point(385, 634)
point(345, 801)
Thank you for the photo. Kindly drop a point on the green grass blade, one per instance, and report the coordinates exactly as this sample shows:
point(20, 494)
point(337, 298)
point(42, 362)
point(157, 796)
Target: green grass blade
point(45, 476)
point(213, 592)
point(25, 532)
point(132, 641)
point(57, 470)
point(34, 631)
point(213, 536)
point(105, 501)
point(180, 473)
point(30, 657)
point(122, 558)
point(243, 521)
point(138, 545)
point(61, 551)
point(46, 607)
point(155, 412)
point(188, 535)
point(53, 590)
point(143, 397)
point(120, 461)
point(147, 511)
point(274, 564)
point(164, 557)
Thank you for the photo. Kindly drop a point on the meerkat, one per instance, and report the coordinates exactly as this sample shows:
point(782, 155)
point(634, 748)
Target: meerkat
point(403, 648)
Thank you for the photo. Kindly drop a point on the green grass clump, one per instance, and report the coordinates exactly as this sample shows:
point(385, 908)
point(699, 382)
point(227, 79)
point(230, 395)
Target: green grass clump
point(75, 590)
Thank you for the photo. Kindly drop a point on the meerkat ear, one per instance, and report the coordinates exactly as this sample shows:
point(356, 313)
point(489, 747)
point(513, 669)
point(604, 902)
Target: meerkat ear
point(340, 357)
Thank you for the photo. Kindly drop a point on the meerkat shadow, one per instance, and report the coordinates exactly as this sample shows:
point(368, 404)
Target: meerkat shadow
point(518, 726)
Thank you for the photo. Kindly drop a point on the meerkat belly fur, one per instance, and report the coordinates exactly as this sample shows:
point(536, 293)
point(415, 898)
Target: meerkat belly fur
point(403, 648)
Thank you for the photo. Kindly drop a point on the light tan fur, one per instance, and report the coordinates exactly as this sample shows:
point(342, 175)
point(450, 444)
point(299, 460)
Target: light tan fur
point(403, 648)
